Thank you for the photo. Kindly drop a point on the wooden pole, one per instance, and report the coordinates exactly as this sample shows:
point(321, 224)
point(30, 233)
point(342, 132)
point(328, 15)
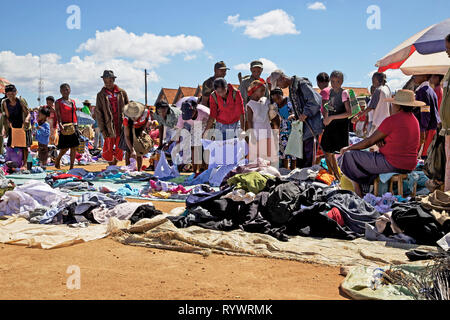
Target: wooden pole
point(146, 87)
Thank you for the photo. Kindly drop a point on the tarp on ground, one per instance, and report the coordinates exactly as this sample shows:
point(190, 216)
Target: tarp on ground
point(160, 233)
point(19, 231)
point(358, 284)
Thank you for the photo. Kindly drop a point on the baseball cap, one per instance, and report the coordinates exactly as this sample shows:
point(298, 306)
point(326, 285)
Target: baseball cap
point(221, 65)
point(187, 109)
point(256, 64)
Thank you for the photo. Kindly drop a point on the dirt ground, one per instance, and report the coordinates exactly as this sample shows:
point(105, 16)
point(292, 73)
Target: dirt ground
point(110, 270)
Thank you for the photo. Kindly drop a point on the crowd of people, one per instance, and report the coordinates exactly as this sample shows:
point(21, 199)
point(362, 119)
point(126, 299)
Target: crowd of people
point(288, 130)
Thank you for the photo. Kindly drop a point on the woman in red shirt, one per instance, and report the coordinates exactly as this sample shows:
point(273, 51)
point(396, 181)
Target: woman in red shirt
point(398, 138)
point(66, 113)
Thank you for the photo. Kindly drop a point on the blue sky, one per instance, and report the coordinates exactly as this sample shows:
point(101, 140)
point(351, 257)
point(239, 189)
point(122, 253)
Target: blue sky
point(320, 40)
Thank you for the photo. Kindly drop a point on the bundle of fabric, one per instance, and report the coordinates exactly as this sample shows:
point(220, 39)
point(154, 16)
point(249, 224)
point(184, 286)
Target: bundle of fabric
point(125, 211)
point(439, 205)
point(417, 222)
point(29, 196)
point(279, 208)
point(384, 203)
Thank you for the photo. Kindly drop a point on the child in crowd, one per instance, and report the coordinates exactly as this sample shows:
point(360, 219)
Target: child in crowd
point(336, 113)
point(360, 126)
point(286, 115)
point(323, 82)
point(43, 135)
point(261, 139)
point(154, 134)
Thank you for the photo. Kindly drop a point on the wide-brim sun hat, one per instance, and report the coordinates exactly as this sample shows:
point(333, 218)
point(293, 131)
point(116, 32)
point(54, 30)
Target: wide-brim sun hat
point(133, 109)
point(406, 98)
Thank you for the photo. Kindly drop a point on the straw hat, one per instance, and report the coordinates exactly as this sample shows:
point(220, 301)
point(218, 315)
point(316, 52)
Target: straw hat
point(133, 109)
point(406, 98)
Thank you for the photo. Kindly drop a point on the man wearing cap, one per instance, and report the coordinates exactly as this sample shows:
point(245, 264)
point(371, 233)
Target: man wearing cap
point(399, 139)
point(256, 68)
point(220, 71)
point(111, 101)
point(194, 118)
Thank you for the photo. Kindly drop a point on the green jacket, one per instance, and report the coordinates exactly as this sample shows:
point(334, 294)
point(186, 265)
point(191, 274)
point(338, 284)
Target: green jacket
point(445, 106)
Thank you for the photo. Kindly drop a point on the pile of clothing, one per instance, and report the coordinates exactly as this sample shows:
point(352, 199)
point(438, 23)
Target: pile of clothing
point(307, 202)
point(39, 203)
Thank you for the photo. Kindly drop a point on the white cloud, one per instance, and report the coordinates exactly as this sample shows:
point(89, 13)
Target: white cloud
point(275, 22)
point(190, 57)
point(395, 78)
point(154, 49)
point(269, 66)
point(316, 6)
point(125, 53)
point(83, 75)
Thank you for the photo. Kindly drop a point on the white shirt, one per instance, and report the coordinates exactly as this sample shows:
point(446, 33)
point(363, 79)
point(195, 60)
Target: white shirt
point(382, 110)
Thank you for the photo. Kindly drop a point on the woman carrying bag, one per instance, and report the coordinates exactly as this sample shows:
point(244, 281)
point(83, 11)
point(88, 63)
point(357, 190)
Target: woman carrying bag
point(16, 122)
point(135, 140)
point(68, 126)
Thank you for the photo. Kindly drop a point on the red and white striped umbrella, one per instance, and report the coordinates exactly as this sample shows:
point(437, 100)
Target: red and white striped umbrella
point(3, 84)
point(423, 53)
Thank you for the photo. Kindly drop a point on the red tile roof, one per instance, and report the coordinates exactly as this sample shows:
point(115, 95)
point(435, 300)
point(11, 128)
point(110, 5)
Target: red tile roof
point(170, 94)
point(188, 91)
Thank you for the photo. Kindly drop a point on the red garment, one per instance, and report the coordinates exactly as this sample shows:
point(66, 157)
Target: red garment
point(229, 112)
point(111, 149)
point(361, 119)
point(67, 112)
point(335, 215)
point(402, 141)
point(429, 135)
point(65, 176)
point(141, 121)
point(439, 92)
point(112, 96)
point(154, 134)
point(325, 177)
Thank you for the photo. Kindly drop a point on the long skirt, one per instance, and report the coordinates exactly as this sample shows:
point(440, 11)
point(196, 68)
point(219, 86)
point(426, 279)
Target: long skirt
point(363, 167)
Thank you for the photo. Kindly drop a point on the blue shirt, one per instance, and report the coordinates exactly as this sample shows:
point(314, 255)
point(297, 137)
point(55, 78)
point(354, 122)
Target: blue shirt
point(43, 133)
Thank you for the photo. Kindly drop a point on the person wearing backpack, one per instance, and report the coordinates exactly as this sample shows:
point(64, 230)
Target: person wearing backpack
point(307, 104)
point(220, 71)
point(226, 110)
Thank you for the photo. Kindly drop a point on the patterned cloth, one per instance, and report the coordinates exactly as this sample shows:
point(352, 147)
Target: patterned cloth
point(285, 127)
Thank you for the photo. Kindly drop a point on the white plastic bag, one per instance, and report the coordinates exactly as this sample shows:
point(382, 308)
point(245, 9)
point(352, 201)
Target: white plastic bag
point(164, 170)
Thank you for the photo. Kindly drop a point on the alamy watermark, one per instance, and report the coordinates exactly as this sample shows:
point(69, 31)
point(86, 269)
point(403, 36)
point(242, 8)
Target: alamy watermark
point(374, 20)
point(74, 20)
point(74, 280)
